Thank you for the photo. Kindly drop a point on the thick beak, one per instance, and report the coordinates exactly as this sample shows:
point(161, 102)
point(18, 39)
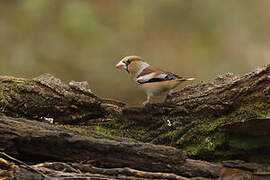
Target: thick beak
point(120, 65)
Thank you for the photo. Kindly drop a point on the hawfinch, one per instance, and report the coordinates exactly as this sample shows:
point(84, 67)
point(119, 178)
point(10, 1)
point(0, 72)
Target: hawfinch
point(153, 81)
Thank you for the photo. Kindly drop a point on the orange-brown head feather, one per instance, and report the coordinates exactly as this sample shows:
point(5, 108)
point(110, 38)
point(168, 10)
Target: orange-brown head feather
point(132, 64)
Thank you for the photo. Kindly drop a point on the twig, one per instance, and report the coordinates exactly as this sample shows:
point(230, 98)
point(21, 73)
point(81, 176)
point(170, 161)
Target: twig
point(26, 165)
point(4, 162)
point(129, 172)
point(65, 167)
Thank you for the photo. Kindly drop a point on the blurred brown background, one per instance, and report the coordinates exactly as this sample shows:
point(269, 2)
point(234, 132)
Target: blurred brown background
point(83, 40)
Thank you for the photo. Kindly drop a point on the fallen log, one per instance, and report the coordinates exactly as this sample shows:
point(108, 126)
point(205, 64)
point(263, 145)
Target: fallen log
point(203, 119)
point(94, 155)
point(32, 141)
point(15, 169)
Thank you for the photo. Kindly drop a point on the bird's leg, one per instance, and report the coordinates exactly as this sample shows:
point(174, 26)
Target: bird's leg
point(144, 103)
point(147, 101)
point(169, 93)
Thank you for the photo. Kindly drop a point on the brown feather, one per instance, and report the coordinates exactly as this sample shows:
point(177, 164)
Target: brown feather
point(134, 67)
point(150, 69)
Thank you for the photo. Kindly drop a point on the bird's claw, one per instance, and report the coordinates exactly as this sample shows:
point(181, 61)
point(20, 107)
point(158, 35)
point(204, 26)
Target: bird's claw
point(169, 95)
point(144, 103)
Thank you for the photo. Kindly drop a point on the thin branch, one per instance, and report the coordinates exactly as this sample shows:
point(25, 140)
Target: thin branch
point(26, 165)
point(129, 172)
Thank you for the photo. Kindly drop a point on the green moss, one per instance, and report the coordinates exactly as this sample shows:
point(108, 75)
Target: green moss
point(118, 130)
point(173, 135)
point(204, 145)
point(17, 81)
point(247, 143)
point(78, 129)
point(211, 143)
point(221, 146)
point(103, 130)
point(2, 97)
point(259, 110)
point(127, 129)
point(201, 137)
point(167, 138)
point(207, 126)
point(192, 150)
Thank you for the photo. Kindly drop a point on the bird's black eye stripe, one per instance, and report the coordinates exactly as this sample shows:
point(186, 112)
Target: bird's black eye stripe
point(128, 62)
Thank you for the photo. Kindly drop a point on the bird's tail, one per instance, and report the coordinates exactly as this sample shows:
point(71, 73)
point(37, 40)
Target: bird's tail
point(184, 79)
point(190, 79)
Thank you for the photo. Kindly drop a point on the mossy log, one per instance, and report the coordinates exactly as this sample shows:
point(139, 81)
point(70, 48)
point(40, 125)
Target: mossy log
point(85, 154)
point(195, 119)
point(226, 119)
point(32, 141)
point(47, 97)
point(200, 119)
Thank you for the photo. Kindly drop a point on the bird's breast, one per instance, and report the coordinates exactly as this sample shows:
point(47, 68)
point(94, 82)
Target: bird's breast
point(158, 87)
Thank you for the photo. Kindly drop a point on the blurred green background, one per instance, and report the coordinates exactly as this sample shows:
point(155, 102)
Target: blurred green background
point(84, 39)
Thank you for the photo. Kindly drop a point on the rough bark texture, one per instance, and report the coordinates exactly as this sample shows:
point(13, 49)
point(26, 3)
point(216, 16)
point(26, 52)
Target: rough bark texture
point(227, 119)
point(34, 141)
point(47, 97)
point(38, 142)
point(194, 118)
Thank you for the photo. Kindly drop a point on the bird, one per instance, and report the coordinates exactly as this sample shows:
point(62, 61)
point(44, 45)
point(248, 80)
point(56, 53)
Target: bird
point(153, 81)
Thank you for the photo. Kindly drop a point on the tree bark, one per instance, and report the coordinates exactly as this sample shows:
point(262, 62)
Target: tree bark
point(223, 120)
point(34, 141)
point(47, 97)
point(195, 118)
point(80, 152)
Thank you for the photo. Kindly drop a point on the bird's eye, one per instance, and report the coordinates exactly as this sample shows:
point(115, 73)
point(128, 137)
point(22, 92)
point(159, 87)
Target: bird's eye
point(128, 62)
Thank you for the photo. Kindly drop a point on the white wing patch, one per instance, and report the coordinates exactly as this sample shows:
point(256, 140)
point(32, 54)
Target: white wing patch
point(151, 76)
point(161, 76)
point(146, 78)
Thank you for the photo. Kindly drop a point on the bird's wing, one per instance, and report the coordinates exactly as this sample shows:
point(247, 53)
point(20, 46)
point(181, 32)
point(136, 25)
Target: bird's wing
point(151, 74)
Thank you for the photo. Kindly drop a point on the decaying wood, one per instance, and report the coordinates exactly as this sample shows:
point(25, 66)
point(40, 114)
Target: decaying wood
point(205, 115)
point(127, 172)
point(61, 170)
point(47, 97)
point(36, 141)
point(205, 101)
point(193, 118)
point(11, 166)
point(82, 171)
point(253, 126)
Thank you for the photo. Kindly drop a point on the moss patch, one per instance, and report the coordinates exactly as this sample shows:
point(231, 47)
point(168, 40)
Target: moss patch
point(127, 130)
point(205, 146)
point(200, 136)
point(259, 110)
point(247, 143)
point(211, 143)
point(2, 97)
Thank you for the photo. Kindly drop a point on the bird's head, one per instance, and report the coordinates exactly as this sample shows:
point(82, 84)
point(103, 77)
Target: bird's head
point(131, 64)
